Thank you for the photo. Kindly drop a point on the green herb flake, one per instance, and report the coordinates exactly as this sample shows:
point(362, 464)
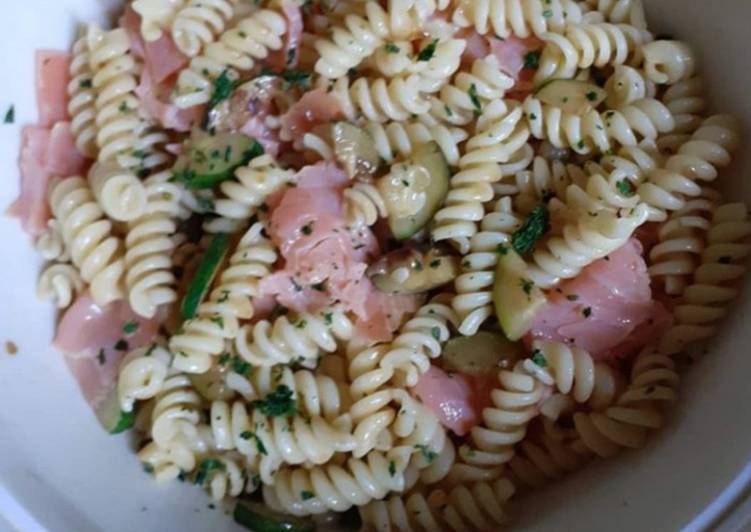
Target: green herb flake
point(130, 327)
point(279, 403)
point(101, 358)
point(435, 263)
point(306, 495)
point(526, 285)
point(435, 332)
point(319, 287)
point(10, 115)
point(218, 320)
point(501, 249)
point(241, 367)
point(625, 188)
point(587, 312)
point(224, 86)
point(474, 98)
point(547, 13)
point(224, 358)
point(123, 107)
point(121, 345)
point(148, 469)
point(85, 83)
point(427, 454)
point(532, 60)
point(591, 96)
point(572, 297)
point(328, 318)
point(301, 324)
point(539, 359)
point(534, 227)
point(417, 266)
point(391, 48)
point(392, 468)
point(307, 229)
point(427, 53)
point(207, 467)
point(448, 110)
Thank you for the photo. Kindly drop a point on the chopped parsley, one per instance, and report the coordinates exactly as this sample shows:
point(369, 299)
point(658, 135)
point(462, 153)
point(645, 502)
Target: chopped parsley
point(291, 55)
point(427, 454)
point(130, 327)
point(427, 53)
point(250, 435)
point(391, 48)
point(526, 285)
point(547, 13)
point(240, 366)
point(301, 324)
point(207, 467)
point(532, 60)
point(306, 495)
point(417, 266)
point(123, 107)
point(101, 358)
point(121, 345)
point(85, 83)
point(474, 98)
point(224, 86)
point(278, 403)
point(328, 318)
point(534, 227)
point(218, 320)
point(539, 359)
point(392, 468)
point(435, 332)
point(572, 297)
point(501, 249)
point(296, 78)
point(307, 229)
point(10, 115)
point(587, 312)
point(319, 287)
point(625, 188)
point(435, 263)
point(224, 358)
point(148, 468)
point(591, 96)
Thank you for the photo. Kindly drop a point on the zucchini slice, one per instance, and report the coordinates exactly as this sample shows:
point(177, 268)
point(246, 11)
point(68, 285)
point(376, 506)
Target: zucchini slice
point(212, 159)
point(517, 299)
point(205, 274)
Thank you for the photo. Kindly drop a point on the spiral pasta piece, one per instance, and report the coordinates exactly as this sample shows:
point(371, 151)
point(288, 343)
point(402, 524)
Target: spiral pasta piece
point(396, 58)
point(142, 375)
point(704, 301)
point(627, 85)
point(363, 205)
point(177, 411)
point(50, 244)
point(598, 193)
point(268, 442)
point(473, 300)
point(588, 239)
point(620, 11)
point(398, 139)
point(514, 17)
point(587, 45)
point(114, 81)
point(218, 318)
point(501, 132)
point(88, 235)
point(381, 100)
point(681, 240)
point(572, 370)
point(545, 179)
point(60, 283)
point(81, 99)
point(252, 184)
point(237, 49)
point(149, 246)
point(282, 341)
point(685, 100)
point(668, 62)
point(156, 15)
point(337, 487)
point(360, 34)
point(645, 119)
point(199, 22)
point(459, 102)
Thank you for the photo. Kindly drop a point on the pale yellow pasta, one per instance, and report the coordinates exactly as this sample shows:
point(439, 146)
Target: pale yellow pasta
point(398, 139)
point(50, 244)
point(514, 17)
point(627, 85)
point(668, 62)
point(156, 16)
point(199, 22)
point(142, 375)
point(363, 205)
point(686, 102)
point(60, 283)
point(393, 59)
point(544, 179)
point(81, 99)
point(381, 100)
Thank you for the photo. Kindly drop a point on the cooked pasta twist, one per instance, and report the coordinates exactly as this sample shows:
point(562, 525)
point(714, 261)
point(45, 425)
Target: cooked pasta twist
point(252, 184)
point(236, 50)
point(572, 370)
point(81, 99)
point(198, 23)
point(218, 318)
point(627, 85)
point(473, 300)
point(268, 442)
point(148, 154)
point(363, 205)
point(149, 246)
point(459, 102)
point(396, 58)
point(156, 15)
point(316, 394)
point(646, 119)
point(177, 411)
point(381, 100)
point(545, 179)
point(704, 301)
point(501, 132)
point(60, 283)
point(515, 403)
point(681, 240)
point(587, 45)
point(114, 82)
point(142, 375)
point(360, 34)
point(169, 461)
point(696, 160)
point(668, 62)
point(226, 480)
point(50, 243)
point(283, 341)
point(464, 507)
point(398, 139)
point(597, 194)
point(338, 487)
point(119, 191)
point(686, 102)
point(620, 11)
point(582, 242)
point(88, 235)
point(522, 19)
point(634, 163)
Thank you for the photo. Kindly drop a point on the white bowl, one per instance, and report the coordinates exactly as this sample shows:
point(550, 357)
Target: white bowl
point(59, 471)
